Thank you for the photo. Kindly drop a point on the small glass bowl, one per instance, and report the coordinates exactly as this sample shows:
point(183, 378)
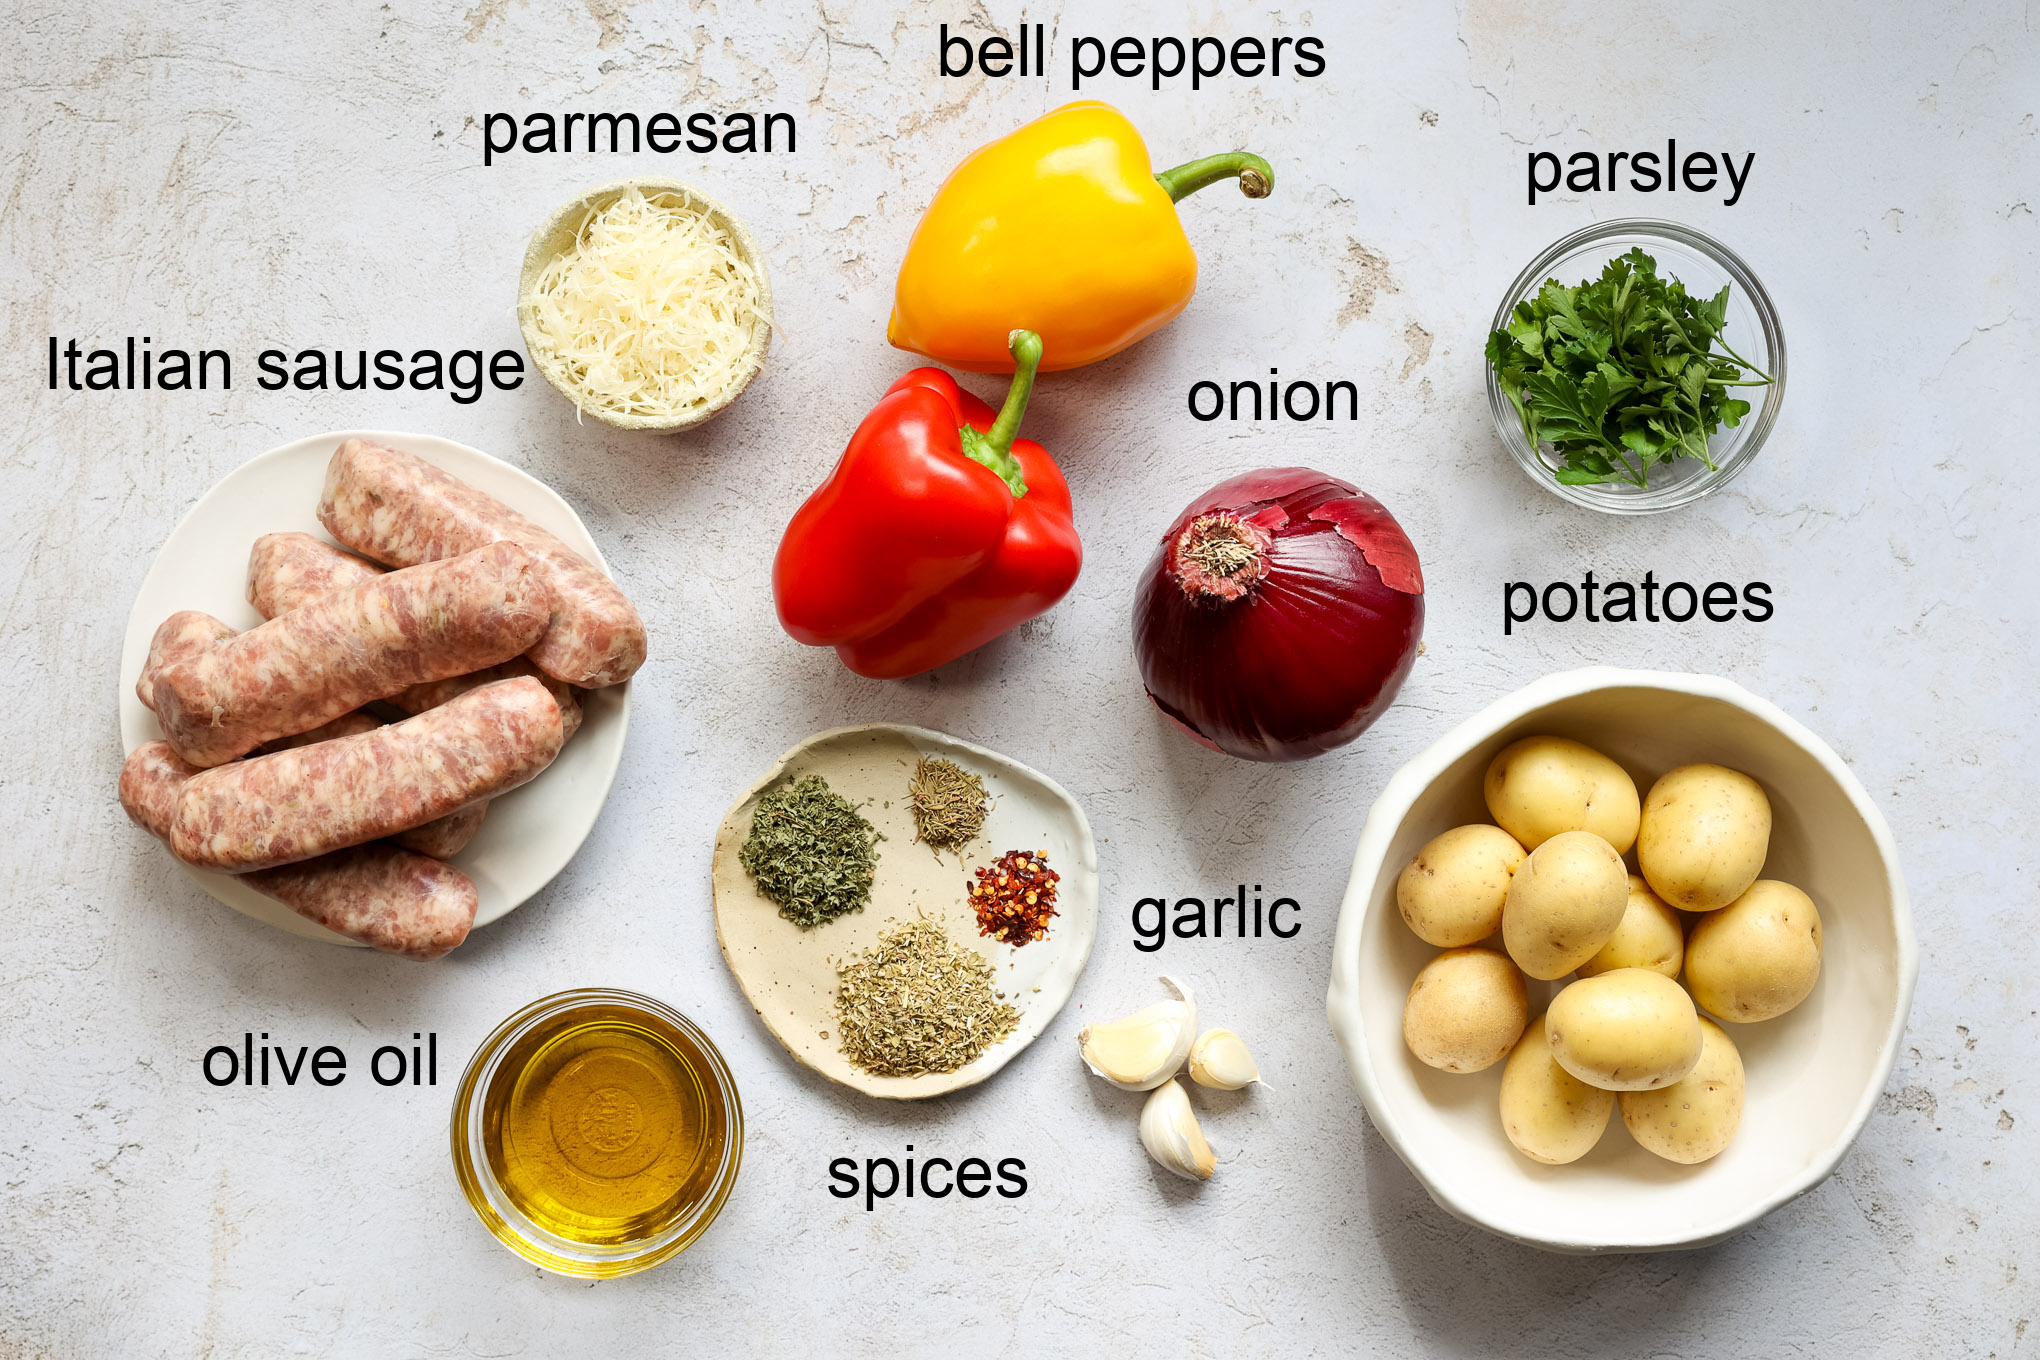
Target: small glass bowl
point(1703, 264)
point(503, 1058)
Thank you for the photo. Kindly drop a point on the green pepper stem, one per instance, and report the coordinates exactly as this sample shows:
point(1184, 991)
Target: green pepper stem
point(1256, 176)
point(994, 447)
point(1025, 347)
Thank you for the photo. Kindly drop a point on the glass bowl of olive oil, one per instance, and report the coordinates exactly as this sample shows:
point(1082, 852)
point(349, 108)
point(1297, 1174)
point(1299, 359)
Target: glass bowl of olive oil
point(597, 1133)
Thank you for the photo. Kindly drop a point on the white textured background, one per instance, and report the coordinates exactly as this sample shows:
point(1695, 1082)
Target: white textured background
point(247, 175)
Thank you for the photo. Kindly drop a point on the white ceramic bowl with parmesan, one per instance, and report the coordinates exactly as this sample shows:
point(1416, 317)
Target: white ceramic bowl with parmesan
point(1813, 1074)
point(612, 329)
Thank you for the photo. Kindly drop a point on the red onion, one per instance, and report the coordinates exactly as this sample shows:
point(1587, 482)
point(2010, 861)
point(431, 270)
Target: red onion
point(1280, 616)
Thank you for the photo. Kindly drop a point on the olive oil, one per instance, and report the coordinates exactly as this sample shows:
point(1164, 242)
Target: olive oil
point(603, 1124)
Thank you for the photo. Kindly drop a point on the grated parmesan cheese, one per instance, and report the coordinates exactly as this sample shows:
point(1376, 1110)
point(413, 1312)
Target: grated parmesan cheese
point(651, 311)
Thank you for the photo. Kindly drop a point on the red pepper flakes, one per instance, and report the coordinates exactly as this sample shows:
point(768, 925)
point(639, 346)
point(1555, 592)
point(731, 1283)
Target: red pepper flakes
point(1016, 896)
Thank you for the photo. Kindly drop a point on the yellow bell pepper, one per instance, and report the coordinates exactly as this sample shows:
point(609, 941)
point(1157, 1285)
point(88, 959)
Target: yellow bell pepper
point(1062, 228)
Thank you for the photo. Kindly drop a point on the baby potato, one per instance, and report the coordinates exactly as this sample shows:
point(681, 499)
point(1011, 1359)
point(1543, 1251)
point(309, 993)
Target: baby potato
point(1695, 1117)
point(1549, 1114)
point(1629, 1030)
point(1541, 786)
point(1465, 1010)
point(1651, 936)
point(1564, 902)
point(1451, 894)
point(1703, 837)
point(1757, 957)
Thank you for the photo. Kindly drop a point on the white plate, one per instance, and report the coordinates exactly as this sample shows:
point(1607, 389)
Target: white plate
point(788, 973)
point(1814, 1073)
point(531, 832)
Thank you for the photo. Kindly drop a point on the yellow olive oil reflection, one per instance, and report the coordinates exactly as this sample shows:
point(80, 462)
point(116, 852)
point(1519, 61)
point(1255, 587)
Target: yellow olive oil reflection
point(602, 1127)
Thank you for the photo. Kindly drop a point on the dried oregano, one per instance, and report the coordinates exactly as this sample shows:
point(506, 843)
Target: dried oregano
point(917, 1003)
point(811, 851)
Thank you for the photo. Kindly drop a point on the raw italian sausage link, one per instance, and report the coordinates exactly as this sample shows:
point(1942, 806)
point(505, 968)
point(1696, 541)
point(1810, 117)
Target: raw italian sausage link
point(441, 838)
point(398, 508)
point(378, 895)
point(289, 570)
point(387, 898)
point(183, 635)
point(351, 646)
point(277, 809)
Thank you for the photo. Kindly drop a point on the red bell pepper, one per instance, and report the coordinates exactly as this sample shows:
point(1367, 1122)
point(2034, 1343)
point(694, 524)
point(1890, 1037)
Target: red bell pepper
point(938, 530)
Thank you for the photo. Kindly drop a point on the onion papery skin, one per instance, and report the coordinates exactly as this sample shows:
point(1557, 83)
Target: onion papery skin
point(1316, 645)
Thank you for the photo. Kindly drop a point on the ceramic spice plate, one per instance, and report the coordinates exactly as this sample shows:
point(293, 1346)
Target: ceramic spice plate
point(789, 973)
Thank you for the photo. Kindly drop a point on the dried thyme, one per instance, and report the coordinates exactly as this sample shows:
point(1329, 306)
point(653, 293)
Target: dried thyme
point(949, 804)
point(811, 852)
point(917, 1003)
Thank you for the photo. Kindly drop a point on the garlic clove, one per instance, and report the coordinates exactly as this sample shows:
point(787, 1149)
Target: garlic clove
point(1168, 1130)
point(1219, 1059)
point(1145, 1049)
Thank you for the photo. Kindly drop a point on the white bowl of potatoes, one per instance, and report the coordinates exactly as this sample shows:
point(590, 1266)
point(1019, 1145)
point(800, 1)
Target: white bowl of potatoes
point(1665, 954)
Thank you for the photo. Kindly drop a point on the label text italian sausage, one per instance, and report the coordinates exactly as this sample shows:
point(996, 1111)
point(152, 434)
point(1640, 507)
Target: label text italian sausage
point(134, 365)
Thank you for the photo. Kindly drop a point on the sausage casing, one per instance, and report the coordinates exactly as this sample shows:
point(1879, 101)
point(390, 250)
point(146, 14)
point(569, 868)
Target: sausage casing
point(346, 648)
point(150, 782)
point(378, 895)
point(395, 507)
point(292, 805)
point(346, 725)
point(183, 635)
point(445, 837)
point(433, 693)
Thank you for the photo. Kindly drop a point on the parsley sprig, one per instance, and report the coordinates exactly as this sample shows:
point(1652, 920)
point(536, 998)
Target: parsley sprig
point(1621, 373)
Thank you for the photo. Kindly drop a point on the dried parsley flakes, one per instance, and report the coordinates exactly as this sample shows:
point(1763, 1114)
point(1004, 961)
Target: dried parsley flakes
point(812, 852)
point(918, 1004)
point(949, 804)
